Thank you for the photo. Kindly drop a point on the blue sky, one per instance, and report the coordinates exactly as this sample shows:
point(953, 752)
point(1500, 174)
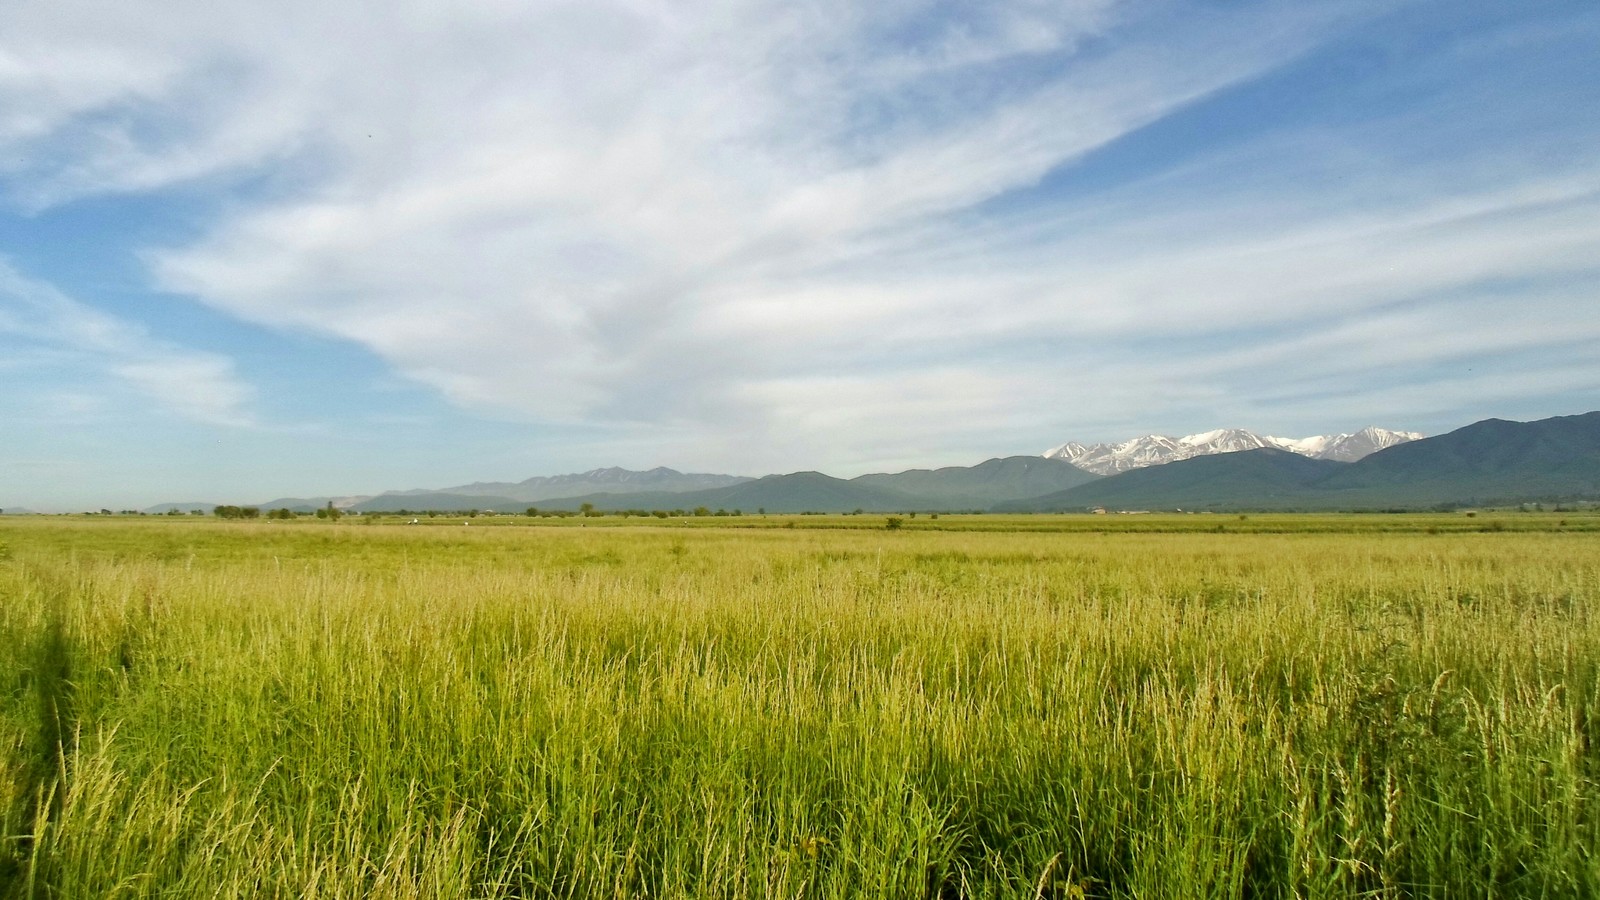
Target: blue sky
point(339, 247)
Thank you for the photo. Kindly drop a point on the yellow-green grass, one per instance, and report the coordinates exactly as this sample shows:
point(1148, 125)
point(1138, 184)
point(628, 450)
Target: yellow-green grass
point(307, 709)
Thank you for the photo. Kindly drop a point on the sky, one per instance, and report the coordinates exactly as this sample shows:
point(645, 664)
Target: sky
point(333, 247)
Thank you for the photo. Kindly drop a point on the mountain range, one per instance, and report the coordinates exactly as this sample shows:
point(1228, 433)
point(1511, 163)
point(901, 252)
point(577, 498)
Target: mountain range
point(1158, 449)
point(953, 488)
point(1486, 463)
point(595, 481)
point(1493, 461)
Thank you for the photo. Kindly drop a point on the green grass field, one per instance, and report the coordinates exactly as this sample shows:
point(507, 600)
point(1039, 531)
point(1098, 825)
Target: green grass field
point(1066, 707)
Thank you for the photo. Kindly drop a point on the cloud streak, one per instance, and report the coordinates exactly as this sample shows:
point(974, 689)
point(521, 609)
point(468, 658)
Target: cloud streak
point(63, 333)
point(832, 229)
point(547, 255)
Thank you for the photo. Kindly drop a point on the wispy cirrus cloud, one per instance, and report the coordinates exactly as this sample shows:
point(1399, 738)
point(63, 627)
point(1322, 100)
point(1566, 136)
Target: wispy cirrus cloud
point(846, 233)
point(544, 255)
point(66, 334)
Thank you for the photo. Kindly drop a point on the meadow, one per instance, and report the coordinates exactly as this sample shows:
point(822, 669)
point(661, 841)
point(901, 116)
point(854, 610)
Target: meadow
point(985, 707)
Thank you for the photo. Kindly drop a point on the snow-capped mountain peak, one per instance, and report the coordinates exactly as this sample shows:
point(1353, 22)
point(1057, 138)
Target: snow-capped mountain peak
point(1225, 440)
point(1312, 446)
point(1369, 440)
point(1156, 449)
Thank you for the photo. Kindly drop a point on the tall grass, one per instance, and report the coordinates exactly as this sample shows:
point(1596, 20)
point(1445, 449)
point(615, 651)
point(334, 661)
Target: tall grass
point(331, 711)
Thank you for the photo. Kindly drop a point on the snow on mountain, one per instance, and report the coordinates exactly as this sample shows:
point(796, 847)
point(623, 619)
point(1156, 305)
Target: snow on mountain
point(1071, 451)
point(1367, 441)
point(1313, 446)
point(1155, 449)
point(1224, 440)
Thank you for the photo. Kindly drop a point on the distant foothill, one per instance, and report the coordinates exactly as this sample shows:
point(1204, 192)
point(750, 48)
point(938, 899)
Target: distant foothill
point(1489, 462)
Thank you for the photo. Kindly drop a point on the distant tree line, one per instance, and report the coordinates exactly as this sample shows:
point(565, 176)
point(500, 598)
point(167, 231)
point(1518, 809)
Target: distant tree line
point(586, 510)
point(250, 512)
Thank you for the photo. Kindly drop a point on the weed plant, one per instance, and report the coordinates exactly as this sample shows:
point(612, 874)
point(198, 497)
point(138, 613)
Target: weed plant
point(200, 709)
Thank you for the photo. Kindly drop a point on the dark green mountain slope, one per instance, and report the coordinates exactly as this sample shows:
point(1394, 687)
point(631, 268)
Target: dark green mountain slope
point(438, 501)
point(1256, 479)
point(985, 484)
point(951, 488)
point(813, 491)
point(796, 492)
point(1485, 462)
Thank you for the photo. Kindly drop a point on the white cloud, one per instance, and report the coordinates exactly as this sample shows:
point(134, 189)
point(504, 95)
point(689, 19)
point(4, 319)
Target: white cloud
point(202, 387)
point(199, 386)
point(763, 218)
point(568, 232)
